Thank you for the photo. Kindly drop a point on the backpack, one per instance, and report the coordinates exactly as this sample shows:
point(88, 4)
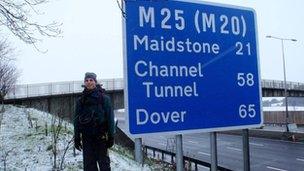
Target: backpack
point(89, 121)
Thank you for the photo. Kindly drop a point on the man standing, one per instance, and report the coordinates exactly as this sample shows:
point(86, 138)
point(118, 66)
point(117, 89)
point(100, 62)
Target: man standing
point(94, 125)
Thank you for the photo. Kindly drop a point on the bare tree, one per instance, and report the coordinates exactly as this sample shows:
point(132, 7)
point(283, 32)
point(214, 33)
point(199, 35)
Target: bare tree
point(6, 51)
point(121, 8)
point(4, 158)
point(17, 16)
point(29, 119)
point(8, 71)
point(8, 78)
point(66, 148)
point(55, 129)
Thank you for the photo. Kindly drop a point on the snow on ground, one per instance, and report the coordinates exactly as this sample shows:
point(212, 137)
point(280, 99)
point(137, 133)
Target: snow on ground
point(23, 146)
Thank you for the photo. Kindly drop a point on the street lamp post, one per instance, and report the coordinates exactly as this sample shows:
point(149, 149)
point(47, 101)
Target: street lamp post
point(284, 69)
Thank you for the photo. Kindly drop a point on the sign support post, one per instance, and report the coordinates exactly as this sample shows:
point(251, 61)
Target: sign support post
point(138, 150)
point(246, 155)
point(179, 153)
point(213, 147)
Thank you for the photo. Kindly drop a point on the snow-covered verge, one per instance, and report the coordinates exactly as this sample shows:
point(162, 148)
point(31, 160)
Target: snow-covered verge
point(24, 144)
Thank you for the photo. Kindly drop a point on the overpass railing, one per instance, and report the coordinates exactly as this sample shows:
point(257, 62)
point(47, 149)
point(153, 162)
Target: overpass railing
point(57, 88)
point(276, 84)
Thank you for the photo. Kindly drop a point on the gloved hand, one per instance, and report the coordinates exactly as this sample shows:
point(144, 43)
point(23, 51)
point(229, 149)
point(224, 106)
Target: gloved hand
point(77, 143)
point(110, 142)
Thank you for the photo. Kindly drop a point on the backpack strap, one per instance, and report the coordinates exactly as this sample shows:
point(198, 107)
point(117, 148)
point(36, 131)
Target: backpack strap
point(101, 101)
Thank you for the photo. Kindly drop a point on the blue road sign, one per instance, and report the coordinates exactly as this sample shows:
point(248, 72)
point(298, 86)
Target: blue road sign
point(190, 67)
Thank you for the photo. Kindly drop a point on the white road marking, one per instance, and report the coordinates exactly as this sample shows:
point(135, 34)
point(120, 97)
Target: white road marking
point(193, 142)
point(274, 168)
point(300, 159)
point(256, 144)
point(203, 153)
point(204, 168)
point(235, 149)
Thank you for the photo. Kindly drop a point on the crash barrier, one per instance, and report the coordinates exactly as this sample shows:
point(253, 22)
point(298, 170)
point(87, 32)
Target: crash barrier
point(169, 157)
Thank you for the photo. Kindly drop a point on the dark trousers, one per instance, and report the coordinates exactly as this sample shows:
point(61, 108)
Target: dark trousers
point(95, 153)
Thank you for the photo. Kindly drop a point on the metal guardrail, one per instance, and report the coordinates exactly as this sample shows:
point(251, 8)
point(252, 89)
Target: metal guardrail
point(57, 88)
point(192, 164)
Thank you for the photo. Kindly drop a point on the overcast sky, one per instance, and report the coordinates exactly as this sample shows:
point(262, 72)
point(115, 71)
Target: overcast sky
point(92, 41)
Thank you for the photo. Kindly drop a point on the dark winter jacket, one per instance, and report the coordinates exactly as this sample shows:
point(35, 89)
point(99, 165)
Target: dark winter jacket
point(94, 114)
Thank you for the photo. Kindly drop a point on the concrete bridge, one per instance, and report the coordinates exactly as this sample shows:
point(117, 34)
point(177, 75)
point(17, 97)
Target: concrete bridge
point(60, 97)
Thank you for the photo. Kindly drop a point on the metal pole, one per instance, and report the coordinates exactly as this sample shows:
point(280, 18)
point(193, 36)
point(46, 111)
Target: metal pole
point(213, 145)
point(27, 91)
point(138, 150)
point(15, 91)
point(246, 155)
point(285, 87)
point(179, 153)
